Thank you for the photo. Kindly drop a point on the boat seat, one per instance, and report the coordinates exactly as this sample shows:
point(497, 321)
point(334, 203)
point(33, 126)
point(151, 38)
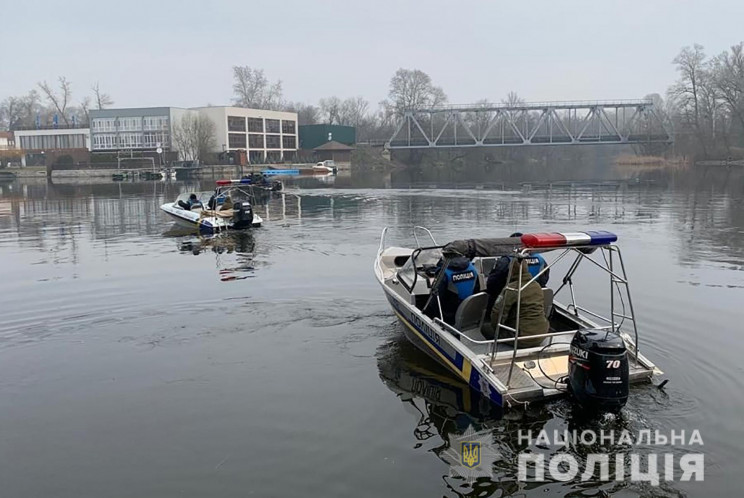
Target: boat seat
point(470, 312)
point(547, 301)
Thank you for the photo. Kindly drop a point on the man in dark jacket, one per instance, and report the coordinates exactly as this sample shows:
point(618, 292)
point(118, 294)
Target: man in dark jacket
point(532, 320)
point(497, 278)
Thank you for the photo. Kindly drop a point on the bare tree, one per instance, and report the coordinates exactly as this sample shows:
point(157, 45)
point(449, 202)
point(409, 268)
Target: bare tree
point(412, 89)
point(686, 92)
point(16, 112)
point(10, 113)
point(252, 89)
point(101, 100)
point(728, 77)
point(512, 100)
point(83, 114)
point(353, 111)
point(307, 114)
point(330, 110)
point(194, 136)
point(60, 101)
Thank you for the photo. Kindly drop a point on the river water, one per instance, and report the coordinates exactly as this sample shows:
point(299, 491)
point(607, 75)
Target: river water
point(139, 360)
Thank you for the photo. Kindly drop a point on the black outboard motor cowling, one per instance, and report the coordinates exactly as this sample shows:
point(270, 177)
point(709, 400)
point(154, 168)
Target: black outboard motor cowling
point(243, 217)
point(598, 370)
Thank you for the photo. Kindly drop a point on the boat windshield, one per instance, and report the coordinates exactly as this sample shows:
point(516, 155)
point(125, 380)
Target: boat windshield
point(421, 261)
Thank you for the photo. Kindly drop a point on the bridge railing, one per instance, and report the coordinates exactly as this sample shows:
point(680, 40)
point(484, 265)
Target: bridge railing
point(568, 104)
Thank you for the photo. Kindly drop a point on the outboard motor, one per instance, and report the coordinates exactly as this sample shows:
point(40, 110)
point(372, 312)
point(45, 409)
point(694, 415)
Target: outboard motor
point(243, 215)
point(598, 370)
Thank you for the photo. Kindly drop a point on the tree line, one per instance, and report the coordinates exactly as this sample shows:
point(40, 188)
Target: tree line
point(705, 106)
point(50, 104)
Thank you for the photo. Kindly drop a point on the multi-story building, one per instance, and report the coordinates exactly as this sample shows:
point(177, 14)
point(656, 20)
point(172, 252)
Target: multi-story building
point(141, 129)
point(265, 135)
point(268, 136)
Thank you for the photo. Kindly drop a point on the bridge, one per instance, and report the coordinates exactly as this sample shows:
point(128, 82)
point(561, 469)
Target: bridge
point(529, 124)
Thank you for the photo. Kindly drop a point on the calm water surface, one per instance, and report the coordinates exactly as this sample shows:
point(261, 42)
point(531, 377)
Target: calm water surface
point(139, 360)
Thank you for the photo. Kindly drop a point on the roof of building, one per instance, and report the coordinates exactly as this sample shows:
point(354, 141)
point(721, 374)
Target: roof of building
point(333, 145)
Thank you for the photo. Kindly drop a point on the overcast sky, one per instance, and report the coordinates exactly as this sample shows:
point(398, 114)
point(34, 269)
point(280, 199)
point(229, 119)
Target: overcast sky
point(180, 53)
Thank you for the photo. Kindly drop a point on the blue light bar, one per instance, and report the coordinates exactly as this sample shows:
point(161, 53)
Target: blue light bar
point(601, 237)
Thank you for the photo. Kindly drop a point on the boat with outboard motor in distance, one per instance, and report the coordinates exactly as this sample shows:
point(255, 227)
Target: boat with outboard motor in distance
point(592, 357)
point(256, 180)
point(226, 208)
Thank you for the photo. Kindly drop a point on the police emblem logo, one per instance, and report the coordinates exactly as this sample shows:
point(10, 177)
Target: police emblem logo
point(470, 456)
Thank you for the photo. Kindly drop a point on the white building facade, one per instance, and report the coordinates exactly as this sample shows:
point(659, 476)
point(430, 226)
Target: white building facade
point(140, 129)
point(267, 136)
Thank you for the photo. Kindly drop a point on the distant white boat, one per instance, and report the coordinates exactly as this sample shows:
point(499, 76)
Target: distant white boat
point(325, 167)
point(196, 214)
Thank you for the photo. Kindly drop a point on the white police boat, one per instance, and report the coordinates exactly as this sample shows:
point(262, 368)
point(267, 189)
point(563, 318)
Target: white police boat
point(593, 355)
point(199, 216)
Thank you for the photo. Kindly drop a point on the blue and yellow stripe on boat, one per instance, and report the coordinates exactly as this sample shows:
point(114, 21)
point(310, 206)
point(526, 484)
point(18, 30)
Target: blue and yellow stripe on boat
point(464, 369)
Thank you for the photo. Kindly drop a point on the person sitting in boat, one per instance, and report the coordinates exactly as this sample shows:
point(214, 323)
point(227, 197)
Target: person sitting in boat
point(192, 203)
point(227, 204)
point(459, 282)
point(532, 320)
point(497, 278)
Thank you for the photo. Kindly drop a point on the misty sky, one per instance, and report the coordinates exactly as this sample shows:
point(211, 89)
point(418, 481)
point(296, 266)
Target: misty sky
point(180, 53)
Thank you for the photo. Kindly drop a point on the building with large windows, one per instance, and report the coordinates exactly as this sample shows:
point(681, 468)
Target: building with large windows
point(267, 136)
point(52, 139)
point(139, 129)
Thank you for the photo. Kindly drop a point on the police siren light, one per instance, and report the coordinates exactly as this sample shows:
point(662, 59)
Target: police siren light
point(567, 239)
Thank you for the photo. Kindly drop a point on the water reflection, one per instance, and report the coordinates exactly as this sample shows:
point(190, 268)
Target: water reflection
point(234, 252)
point(443, 408)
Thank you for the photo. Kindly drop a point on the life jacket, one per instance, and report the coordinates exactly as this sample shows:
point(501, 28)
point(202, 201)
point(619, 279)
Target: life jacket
point(535, 264)
point(461, 277)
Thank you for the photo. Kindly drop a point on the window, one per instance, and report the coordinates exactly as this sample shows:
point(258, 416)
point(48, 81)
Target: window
point(255, 125)
point(289, 143)
point(272, 142)
point(235, 123)
point(150, 140)
point(130, 124)
point(288, 127)
point(256, 141)
point(236, 140)
point(154, 123)
point(104, 124)
point(130, 140)
point(272, 126)
point(104, 141)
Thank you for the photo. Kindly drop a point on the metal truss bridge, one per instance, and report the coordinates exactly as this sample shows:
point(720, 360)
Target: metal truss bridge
point(542, 123)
